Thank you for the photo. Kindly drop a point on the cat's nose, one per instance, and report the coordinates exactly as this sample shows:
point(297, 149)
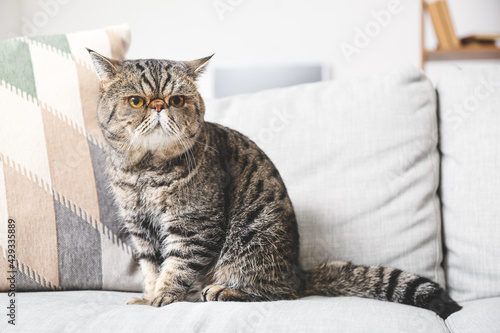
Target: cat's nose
point(157, 104)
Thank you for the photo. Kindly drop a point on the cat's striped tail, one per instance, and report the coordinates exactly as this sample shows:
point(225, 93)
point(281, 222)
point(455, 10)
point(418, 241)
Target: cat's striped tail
point(340, 278)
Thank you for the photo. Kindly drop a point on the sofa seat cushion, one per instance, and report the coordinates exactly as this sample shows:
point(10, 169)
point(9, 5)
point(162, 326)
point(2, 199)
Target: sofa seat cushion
point(481, 315)
point(104, 311)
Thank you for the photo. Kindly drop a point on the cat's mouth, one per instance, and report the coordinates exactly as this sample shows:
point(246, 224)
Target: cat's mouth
point(160, 132)
point(156, 124)
point(160, 127)
point(157, 127)
point(155, 137)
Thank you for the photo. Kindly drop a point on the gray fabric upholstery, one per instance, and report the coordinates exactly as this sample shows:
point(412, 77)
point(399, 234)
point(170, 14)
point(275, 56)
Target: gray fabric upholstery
point(469, 114)
point(103, 311)
point(481, 316)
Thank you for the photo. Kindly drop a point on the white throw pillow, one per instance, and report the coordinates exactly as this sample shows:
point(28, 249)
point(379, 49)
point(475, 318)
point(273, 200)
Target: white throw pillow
point(360, 162)
point(469, 110)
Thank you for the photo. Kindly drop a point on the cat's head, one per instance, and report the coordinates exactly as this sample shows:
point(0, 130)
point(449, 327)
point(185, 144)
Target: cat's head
point(149, 105)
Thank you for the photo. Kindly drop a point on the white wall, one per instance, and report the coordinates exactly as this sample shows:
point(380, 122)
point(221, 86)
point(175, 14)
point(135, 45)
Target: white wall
point(266, 31)
point(10, 18)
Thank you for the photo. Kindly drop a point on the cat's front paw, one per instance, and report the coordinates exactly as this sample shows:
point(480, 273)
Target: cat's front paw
point(162, 300)
point(137, 301)
point(221, 293)
point(213, 292)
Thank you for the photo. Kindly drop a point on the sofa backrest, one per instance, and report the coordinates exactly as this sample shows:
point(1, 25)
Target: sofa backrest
point(360, 161)
point(469, 114)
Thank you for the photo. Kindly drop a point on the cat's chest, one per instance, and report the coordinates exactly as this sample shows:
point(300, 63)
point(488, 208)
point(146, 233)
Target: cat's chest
point(155, 190)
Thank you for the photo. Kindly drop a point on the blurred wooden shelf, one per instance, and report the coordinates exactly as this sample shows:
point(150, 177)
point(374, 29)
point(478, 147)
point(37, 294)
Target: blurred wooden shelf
point(464, 52)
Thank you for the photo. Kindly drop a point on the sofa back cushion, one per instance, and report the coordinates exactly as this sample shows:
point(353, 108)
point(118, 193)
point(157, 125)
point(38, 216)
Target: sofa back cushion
point(360, 161)
point(58, 222)
point(469, 112)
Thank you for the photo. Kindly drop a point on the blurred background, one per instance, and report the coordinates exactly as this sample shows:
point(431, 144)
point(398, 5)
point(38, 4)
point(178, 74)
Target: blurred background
point(262, 44)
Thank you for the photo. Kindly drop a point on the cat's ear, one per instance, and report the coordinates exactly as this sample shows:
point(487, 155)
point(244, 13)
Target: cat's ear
point(105, 68)
point(198, 66)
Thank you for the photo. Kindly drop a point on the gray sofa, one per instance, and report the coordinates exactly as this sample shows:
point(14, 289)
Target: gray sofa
point(381, 170)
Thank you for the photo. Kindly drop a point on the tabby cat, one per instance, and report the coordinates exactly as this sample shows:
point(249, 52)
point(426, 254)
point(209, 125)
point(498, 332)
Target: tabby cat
point(207, 211)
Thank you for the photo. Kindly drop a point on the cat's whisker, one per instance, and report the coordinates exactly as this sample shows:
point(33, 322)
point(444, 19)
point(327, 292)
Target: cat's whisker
point(139, 131)
point(177, 127)
point(144, 126)
point(192, 166)
point(142, 129)
point(128, 141)
point(201, 143)
point(125, 142)
point(185, 151)
point(188, 152)
point(125, 155)
point(196, 142)
point(185, 148)
point(178, 142)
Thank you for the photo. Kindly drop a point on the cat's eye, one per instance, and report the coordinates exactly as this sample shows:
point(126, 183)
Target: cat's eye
point(136, 101)
point(176, 101)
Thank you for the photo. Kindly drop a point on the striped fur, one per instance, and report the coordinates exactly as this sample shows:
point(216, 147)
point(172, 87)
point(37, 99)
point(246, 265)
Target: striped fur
point(382, 283)
point(207, 210)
